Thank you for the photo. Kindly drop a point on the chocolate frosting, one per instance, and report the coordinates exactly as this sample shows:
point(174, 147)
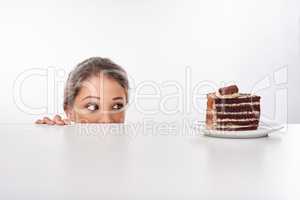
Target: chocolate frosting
point(232, 89)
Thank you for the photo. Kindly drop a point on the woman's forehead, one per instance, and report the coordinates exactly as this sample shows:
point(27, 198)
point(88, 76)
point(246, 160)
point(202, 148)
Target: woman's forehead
point(102, 87)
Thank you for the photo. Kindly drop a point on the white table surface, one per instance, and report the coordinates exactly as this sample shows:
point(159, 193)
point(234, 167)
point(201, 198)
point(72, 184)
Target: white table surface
point(52, 162)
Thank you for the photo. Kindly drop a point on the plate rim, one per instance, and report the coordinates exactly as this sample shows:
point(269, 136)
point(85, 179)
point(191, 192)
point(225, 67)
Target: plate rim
point(269, 126)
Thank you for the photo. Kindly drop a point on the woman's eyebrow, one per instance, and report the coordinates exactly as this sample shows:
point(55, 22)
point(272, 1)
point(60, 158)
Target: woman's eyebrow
point(87, 97)
point(117, 98)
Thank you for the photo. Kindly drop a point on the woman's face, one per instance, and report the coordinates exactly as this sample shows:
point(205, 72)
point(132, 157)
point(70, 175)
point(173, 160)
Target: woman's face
point(100, 100)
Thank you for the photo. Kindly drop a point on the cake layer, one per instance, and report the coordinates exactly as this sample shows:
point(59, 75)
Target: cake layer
point(237, 104)
point(248, 99)
point(237, 122)
point(232, 116)
point(213, 123)
point(238, 108)
point(241, 115)
point(231, 127)
point(238, 128)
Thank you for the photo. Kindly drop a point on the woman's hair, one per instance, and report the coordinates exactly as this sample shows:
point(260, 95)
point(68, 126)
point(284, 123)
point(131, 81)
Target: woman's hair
point(92, 67)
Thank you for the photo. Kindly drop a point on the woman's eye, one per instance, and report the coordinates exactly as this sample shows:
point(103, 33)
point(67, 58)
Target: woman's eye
point(92, 107)
point(117, 106)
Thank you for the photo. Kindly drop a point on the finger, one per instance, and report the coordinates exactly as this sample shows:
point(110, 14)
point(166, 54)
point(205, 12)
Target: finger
point(59, 122)
point(48, 121)
point(39, 121)
point(57, 117)
point(67, 121)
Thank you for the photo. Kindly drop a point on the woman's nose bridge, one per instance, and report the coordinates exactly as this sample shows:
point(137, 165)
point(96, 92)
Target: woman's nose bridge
point(106, 117)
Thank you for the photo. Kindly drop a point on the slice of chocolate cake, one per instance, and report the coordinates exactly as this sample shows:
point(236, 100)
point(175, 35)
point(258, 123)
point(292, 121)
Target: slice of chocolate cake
point(229, 110)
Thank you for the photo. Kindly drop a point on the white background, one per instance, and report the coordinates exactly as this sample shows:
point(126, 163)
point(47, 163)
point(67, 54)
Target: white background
point(246, 42)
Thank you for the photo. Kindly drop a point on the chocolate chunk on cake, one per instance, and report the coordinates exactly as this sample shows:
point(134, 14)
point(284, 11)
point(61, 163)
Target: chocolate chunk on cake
point(229, 110)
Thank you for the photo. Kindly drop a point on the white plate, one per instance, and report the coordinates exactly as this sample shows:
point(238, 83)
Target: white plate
point(264, 129)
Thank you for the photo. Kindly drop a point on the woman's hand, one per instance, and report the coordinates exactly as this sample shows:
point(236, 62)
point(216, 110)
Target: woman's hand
point(56, 120)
